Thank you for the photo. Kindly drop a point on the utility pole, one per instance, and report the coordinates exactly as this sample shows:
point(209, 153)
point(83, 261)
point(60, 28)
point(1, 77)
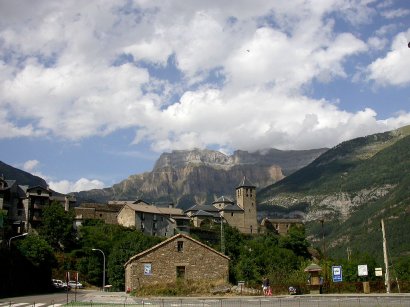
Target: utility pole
point(386, 261)
point(349, 253)
point(323, 239)
point(222, 237)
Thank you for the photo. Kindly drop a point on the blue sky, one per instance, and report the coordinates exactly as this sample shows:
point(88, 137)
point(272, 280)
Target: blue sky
point(94, 91)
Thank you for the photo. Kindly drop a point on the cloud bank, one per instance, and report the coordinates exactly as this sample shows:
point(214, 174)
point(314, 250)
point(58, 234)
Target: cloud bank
point(195, 74)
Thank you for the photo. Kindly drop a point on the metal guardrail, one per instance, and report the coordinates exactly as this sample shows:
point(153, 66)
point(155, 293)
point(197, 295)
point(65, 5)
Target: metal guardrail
point(291, 301)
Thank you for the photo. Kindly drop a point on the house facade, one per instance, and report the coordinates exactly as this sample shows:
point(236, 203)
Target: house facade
point(22, 205)
point(95, 211)
point(153, 220)
point(179, 257)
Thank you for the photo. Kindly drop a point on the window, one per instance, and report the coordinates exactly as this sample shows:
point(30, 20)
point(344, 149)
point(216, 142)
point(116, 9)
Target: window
point(180, 246)
point(155, 217)
point(142, 216)
point(231, 213)
point(180, 272)
point(154, 226)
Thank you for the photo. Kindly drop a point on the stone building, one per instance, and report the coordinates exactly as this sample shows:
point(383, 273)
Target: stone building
point(153, 220)
point(22, 205)
point(95, 211)
point(177, 257)
point(241, 215)
point(279, 226)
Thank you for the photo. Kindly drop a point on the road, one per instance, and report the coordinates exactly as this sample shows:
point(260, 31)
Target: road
point(97, 298)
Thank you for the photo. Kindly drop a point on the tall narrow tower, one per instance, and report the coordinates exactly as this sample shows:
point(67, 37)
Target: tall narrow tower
point(246, 199)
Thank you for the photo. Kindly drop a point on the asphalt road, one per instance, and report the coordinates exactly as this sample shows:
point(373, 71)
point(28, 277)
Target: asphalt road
point(97, 298)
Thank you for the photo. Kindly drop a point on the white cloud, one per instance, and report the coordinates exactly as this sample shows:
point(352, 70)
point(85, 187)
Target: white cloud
point(390, 14)
point(394, 68)
point(58, 76)
point(83, 184)
point(30, 165)
point(62, 186)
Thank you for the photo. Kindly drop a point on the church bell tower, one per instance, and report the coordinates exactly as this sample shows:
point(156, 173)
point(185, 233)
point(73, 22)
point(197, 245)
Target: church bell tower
point(246, 199)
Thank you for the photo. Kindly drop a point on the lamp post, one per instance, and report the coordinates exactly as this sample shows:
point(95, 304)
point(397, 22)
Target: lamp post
point(22, 235)
point(96, 249)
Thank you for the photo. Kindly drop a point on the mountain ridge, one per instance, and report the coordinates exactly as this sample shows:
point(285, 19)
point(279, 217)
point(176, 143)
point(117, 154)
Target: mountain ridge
point(351, 187)
point(185, 177)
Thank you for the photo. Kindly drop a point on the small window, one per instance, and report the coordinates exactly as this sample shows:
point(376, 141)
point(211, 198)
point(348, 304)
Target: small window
point(142, 215)
point(180, 246)
point(231, 213)
point(154, 226)
point(180, 272)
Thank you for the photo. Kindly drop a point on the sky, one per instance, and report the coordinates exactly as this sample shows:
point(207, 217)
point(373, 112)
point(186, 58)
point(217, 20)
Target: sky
point(92, 92)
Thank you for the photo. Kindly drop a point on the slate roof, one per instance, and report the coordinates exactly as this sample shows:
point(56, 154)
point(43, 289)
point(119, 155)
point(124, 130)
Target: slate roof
point(143, 207)
point(207, 208)
point(223, 199)
point(245, 183)
point(232, 207)
point(202, 213)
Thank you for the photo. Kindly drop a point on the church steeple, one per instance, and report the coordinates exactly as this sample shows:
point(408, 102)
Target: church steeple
point(246, 199)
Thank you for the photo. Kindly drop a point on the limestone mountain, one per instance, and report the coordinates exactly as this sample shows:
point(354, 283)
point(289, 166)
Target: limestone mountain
point(186, 177)
point(351, 187)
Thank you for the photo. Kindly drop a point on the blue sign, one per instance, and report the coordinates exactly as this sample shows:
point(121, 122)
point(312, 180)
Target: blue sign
point(337, 273)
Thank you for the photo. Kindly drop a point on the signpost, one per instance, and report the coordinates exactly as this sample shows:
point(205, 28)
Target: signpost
point(362, 271)
point(337, 273)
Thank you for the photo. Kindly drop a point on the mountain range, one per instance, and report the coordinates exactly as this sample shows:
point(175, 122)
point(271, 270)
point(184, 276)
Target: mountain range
point(187, 177)
point(342, 192)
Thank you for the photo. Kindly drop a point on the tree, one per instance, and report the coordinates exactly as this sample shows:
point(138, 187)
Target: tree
point(129, 245)
point(57, 226)
point(295, 240)
point(36, 250)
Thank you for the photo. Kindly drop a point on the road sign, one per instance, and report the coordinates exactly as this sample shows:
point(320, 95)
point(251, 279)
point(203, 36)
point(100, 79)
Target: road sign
point(337, 273)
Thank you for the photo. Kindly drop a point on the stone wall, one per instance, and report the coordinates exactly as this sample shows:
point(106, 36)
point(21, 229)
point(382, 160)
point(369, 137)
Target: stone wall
point(200, 263)
point(126, 217)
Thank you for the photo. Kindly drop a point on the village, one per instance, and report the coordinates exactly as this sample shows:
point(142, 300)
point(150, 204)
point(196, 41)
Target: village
point(179, 256)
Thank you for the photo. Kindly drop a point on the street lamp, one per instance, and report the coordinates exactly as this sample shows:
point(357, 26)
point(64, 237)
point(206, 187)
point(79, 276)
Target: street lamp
point(22, 235)
point(96, 249)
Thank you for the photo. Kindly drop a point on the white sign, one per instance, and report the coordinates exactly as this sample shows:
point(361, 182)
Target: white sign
point(362, 270)
point(147, 269)
point(378, 272)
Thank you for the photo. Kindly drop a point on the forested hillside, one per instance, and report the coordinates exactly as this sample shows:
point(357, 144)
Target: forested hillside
point(351, 188)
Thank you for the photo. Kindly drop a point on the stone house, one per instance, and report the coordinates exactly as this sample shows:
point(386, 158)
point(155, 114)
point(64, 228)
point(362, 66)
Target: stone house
point(95, 211)
point(177, 257)
point(153, 220)
point(279, 226)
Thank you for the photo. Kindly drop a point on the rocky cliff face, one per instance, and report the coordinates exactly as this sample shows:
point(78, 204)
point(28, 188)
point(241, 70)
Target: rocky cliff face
point(188, 176)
